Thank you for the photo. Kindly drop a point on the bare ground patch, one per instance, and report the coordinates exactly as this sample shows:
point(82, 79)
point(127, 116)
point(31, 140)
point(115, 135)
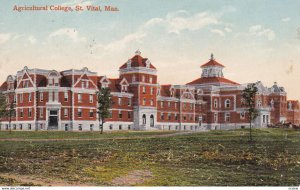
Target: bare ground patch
point(135, 177)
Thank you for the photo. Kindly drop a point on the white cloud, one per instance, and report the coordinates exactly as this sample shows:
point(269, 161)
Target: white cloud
point(258, 30)
point(286, 19)
point(219, 32)
point(175, 22)
point(32, 39)
point(70, 33)
point(4, 37)
point(122, 43)
point(227, 29)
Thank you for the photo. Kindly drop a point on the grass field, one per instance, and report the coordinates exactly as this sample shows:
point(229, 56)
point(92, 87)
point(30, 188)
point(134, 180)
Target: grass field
point(218, 158)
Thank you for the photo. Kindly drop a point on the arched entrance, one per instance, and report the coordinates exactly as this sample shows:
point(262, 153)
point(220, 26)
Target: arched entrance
point(144, 119)
point(151, 121)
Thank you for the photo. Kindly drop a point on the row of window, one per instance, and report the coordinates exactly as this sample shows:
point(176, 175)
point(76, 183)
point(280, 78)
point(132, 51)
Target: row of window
point(151, 90)
point(169, 105)
point(176, 116)
point(144, 79)
point(226, 103)
point(120, 101)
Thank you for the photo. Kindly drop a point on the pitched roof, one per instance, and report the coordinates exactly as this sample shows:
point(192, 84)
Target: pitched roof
point(212, 62)
point(3, 87)
point(212, 80)
point(137, 61)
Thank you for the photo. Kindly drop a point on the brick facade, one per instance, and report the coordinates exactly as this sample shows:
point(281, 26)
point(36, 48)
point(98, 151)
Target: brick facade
point(66, 100)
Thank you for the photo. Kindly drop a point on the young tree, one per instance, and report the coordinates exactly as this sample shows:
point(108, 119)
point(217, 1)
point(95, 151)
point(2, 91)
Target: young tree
point(7, 109)
point(104, 104)
point(248, 95)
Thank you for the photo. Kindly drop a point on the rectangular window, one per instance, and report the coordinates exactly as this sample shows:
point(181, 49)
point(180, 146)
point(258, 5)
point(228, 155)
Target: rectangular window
point(29, 112)
point(120, 101)
point(162, 117)
point(150, 80)
point(41, 113)
point(91, 98)
point(120, 114)
point(91, 127)
point(144, 101)
point(79, 112)
point(87, 84)
point(169, 116)
point(21, 98)
point(66, 96)
point(129, 115)
point(151, 90)
point(143, 78)
point(110, 127)
point(176, 116)
point(41, 96)
point(175, 104)
point(216, 117)
point(169, 104)
point(29, 97)
point(144, 89)
point(79, 97)
point(129, 101)
point(91, 113)
point(29, 126)
point(120, 127)
point(151, 102)
point(66, 112)
point(82, 84)
point(21, 113)
point(161, 104)
point(80, 127)
point(227, 117)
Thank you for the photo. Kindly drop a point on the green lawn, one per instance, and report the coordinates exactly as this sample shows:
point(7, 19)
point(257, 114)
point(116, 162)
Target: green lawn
point(76, 135)
point(218, 158)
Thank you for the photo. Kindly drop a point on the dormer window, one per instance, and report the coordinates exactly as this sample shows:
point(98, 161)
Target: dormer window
point(25, 84)
point(53, 78)
point(124, 88)
point(148, 63)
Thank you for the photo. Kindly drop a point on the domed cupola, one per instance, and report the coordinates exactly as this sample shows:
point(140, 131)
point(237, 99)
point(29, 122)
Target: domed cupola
point(212, 68)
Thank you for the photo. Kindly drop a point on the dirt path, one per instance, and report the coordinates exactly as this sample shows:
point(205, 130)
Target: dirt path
point(133, 178)
point(31, 180)
point(98, 139)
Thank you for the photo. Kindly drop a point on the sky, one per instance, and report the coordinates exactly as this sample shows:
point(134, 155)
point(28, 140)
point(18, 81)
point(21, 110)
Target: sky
point(257, 40)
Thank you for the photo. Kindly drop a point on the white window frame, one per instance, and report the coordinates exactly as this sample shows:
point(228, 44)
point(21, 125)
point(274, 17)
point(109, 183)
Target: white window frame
point(227, 103)
point(79, 98)
point(91, 98)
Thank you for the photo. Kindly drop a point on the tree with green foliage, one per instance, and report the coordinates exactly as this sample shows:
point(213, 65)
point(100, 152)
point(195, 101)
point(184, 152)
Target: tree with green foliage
point(248, 95)
point(104, 104)
point(7, 109)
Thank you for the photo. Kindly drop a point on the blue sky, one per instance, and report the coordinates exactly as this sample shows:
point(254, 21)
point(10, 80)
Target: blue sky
point(255, 40)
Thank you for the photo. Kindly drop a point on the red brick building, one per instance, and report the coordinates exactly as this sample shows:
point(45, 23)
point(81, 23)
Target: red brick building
point(66, 100)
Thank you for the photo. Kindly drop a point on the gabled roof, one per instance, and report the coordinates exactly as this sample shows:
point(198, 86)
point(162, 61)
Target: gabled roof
point(137, 61)
point(212, 80)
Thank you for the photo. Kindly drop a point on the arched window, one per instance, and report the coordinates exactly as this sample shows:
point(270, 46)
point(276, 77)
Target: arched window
point(152, 121)
point(215, 103)
point(227, 103)
point(144, 119)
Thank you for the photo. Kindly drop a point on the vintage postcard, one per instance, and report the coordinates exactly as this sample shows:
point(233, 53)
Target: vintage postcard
point(123, 93)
